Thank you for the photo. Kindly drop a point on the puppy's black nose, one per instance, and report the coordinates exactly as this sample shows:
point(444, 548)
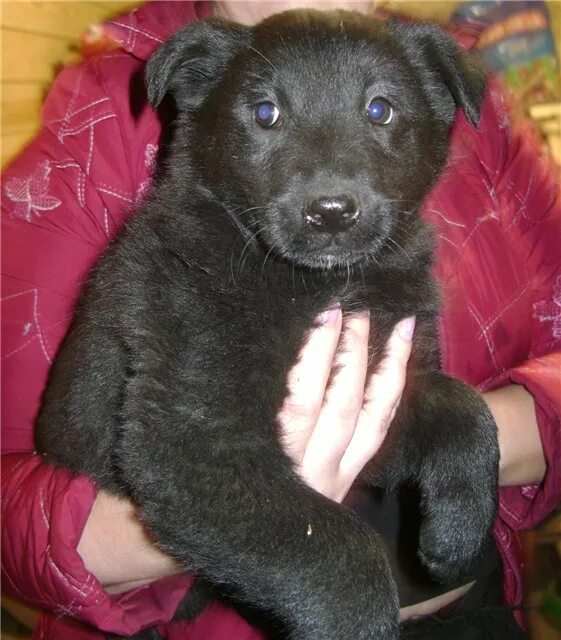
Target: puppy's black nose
point(332, 213)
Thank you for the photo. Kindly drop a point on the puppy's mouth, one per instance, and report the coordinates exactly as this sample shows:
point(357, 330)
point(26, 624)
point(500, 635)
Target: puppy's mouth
point(307, 245)
point(326, 253)
point(333, 254)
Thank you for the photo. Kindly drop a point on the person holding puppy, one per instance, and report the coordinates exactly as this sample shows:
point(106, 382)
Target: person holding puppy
point(98, 564)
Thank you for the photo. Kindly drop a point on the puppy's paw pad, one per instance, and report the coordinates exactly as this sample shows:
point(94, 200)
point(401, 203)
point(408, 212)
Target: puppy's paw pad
point(445, 569)
point(449, 548)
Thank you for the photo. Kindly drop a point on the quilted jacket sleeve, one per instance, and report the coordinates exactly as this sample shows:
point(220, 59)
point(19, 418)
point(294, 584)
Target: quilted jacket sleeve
point(521, 326)
point(537, 214)
point(62, 201)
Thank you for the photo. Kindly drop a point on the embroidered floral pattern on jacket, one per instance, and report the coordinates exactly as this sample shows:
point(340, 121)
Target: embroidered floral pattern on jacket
point(30, 194)
point(150, 155)
point(549, 310)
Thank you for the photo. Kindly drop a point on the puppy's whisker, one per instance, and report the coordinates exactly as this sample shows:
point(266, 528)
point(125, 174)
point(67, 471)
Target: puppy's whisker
point(293, 281)
point(406, 233)
point(394, 200)
point(232, 269)
point(240, 227)
point(362, 276)
point(407, 212)
point(400, 249)
point(404, 226)
point(264, 57)
point(392, 250)
point(348, 276)
point(304, 282)
point(245, 251)
point(265, 262)
point(372, 256)
point(256, 79)
point(241, 213)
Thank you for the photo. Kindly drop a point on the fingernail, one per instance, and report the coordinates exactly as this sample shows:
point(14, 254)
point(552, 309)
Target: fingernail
point(406, 328)
point(330, 316)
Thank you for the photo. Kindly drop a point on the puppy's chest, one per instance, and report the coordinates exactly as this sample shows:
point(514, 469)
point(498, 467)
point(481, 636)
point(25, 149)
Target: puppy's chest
point(274, 311)
point(387, 296)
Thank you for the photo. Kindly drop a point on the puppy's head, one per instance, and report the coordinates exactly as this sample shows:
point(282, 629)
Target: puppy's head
point(321, 132)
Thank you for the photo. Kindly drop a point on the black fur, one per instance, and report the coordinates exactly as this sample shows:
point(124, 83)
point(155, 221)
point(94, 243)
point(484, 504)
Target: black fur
point(168, 385)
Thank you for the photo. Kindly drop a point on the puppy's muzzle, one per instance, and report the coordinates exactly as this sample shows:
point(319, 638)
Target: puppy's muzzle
point(331, 214)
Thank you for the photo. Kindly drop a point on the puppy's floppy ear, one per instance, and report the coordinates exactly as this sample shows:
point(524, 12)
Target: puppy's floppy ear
point(444, 66)
point(193, 60)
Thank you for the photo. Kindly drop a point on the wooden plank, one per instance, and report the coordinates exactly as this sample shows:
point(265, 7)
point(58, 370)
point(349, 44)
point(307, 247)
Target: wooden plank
point(30, 58)
point(36, 38)
point(14, 92)
point(59, 19)
point(20, 116)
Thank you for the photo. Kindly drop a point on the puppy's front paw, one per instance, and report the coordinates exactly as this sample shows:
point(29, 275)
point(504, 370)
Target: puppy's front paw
point(458, 477)
point(453, 534)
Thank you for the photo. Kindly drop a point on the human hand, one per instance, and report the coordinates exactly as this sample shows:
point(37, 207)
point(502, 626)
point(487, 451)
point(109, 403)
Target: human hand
point(251, 12)
point(331, 433)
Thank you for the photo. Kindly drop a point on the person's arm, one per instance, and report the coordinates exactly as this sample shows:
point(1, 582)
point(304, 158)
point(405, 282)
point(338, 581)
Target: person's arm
point(527, 399)
point(44, 511)
point(529, 418)
point(528, 407)
point(522, 459)
point(118, 550)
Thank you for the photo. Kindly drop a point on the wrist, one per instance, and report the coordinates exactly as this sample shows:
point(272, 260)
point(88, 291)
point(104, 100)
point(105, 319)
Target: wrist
point(116, 548)
point(522, 459)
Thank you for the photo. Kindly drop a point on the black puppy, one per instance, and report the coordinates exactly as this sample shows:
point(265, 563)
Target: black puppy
point(304, 148)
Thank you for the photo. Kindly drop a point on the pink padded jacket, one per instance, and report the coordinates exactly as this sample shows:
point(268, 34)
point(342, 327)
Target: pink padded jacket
point(496, 211)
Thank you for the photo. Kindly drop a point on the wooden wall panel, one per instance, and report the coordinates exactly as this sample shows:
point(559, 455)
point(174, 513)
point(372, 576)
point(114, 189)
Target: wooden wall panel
point(30, 57)
point(59, 19)
point(37, 37)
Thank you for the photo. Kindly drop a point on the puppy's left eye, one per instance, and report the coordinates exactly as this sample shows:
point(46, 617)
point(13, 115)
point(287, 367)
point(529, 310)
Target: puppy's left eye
point(267, 114)
point(380, 111)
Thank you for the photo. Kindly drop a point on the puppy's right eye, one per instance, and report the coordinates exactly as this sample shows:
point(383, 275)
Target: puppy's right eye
point(267, 114)
point(380, 111)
